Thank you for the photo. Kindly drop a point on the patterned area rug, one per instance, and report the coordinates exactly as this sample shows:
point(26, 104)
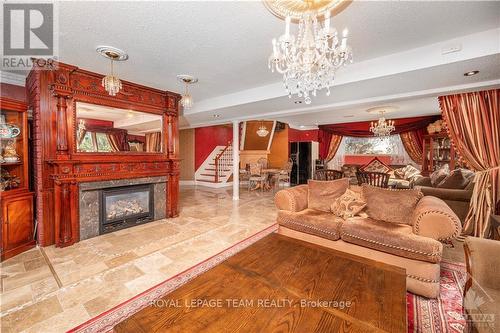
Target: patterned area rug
point(442, 315)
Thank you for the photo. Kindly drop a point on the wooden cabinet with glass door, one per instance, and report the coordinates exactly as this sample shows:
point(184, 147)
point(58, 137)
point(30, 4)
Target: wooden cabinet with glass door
point(15, 196)
point(438, 151)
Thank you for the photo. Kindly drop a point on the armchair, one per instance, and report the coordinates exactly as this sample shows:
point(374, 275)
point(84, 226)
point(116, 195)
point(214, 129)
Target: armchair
point(482, 289)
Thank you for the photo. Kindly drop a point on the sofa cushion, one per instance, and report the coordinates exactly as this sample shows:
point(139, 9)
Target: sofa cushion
point(391, 205)
point(375, 165)
point(348, 204)
point(458, 179)
point(321, 194)
point(313, 222)
point(397, 239)
point(440, 174)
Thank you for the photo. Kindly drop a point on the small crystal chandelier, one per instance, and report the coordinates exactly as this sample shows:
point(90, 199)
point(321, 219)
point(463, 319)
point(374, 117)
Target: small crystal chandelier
point(309, 60)
point(382, 127)
point(187, 99)
point(111, 82)
point(262, 131)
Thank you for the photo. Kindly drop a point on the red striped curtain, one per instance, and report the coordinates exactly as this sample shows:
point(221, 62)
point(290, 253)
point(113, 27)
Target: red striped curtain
point(473, 123)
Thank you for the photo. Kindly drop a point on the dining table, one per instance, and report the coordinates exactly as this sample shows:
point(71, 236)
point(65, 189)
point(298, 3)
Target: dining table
point(269, 174)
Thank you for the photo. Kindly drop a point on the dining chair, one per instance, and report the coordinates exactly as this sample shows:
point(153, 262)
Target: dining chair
point(284, 175)
point(256, 176)
point(378, 179)
point(328, 174)
point(263, 162)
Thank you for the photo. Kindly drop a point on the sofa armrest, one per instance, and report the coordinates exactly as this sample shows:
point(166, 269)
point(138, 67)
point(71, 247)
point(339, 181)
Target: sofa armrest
point(433, 218)
point(483, 263)
point(447, 193)
point(292, 199)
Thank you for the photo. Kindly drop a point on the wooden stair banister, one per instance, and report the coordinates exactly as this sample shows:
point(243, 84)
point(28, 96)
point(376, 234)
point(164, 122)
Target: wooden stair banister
point(222, 160)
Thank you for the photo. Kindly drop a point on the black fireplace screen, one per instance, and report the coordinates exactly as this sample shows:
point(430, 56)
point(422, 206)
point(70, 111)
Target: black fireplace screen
point(123, 207)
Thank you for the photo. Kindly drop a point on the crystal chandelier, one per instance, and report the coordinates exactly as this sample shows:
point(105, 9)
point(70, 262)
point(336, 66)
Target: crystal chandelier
point(382, 127)
point(308, 61)
point(187, 99)
point(111, 82)
point(262, 131)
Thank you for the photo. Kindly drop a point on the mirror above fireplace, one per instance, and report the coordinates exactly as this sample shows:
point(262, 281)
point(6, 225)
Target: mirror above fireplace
point(104, 129)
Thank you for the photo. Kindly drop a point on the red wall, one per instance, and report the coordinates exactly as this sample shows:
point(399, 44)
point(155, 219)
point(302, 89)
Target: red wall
point(295, 135)
point(13, 91)
point(207, 138)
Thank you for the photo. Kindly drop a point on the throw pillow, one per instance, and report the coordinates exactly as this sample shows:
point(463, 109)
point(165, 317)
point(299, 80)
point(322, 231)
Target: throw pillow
point(438, 175)
point(348, 204)
point(321, 194)
point(400, 173)
point(411, 172)
point(457, 179)
point(389, 205)
point(375, 165)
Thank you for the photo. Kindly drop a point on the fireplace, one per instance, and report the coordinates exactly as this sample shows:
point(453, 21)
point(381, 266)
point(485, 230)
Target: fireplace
point(124, 207)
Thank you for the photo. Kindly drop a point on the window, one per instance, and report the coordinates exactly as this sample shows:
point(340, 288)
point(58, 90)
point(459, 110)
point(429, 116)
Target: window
point(372, 146)
point(95, 142)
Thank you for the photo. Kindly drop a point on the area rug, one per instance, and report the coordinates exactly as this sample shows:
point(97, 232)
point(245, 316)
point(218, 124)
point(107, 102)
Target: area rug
point(107, 320)
point(442, 315)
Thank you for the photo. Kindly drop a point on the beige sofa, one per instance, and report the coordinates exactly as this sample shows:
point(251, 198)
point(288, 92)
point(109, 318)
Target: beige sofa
point(415, 246)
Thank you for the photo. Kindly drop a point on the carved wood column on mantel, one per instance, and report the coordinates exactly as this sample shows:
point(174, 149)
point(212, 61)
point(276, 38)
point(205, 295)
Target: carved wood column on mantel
point(65, 212)
point(173, 154)
point(62, 91)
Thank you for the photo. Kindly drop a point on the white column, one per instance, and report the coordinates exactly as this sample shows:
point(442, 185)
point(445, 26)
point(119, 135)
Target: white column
point(236, 160)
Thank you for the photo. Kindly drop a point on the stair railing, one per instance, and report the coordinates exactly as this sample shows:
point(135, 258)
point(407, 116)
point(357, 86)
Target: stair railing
point(223, 161)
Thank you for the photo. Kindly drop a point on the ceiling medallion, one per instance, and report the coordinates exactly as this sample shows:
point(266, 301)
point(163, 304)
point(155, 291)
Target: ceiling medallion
point(308, 60)
point(187, 99)
point(382, 127)
point(111, 82)
point(262, 131)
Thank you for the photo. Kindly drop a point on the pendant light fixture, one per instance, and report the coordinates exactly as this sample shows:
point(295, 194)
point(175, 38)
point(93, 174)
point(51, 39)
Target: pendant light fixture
point(111, 82)
point(187, 99)
point(262, 131)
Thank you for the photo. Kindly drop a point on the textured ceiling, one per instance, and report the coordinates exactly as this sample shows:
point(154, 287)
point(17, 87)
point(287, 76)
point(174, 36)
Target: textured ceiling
point(226, 44)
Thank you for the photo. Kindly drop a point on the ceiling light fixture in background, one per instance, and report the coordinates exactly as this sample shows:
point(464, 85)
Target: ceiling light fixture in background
point(187, 99)
point(471, 73)
point(309, 60)
point(382, 127)
point(111, 82)
point(262, 131)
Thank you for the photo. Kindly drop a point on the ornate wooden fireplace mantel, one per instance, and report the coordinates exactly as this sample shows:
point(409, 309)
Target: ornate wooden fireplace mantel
point(59, 168)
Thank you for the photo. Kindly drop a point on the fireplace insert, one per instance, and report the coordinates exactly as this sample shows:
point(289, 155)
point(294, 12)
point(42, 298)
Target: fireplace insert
point(124, 207)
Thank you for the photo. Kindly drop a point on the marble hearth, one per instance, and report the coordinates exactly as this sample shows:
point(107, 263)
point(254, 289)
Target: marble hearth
point(89, 195)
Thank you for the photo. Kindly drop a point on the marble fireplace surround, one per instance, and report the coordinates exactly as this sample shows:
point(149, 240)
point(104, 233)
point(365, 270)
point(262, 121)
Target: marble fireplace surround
point(89, 201)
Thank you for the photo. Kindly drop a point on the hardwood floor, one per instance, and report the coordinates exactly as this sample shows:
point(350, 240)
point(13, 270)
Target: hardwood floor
point(276, 285)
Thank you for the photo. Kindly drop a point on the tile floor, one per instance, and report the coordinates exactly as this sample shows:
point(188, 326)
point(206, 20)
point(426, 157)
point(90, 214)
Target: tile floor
point(54, 289)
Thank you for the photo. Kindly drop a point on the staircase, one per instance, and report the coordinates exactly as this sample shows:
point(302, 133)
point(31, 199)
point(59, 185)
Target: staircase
point(217, 170)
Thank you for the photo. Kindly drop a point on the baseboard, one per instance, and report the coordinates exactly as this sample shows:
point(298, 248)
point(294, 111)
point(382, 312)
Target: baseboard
point(187, 182)
point(214, 185)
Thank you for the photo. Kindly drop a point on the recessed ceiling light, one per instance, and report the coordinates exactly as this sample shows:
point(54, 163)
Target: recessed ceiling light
point(301, 126)
point(298, 102)
point(471, 73)
point(216, 115)
point(349, 116)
